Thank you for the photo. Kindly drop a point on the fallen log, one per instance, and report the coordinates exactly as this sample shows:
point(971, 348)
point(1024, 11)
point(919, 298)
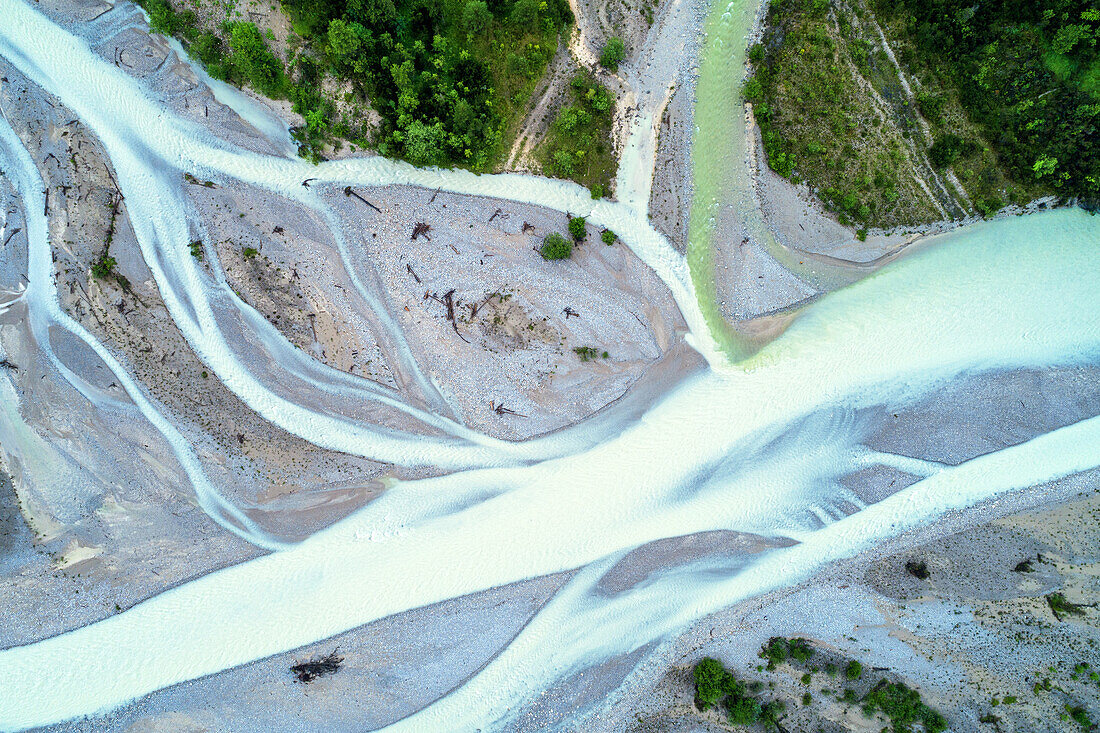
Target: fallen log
point(475, 308)
point(502, 410)
point(349, 192)
point(448, 300)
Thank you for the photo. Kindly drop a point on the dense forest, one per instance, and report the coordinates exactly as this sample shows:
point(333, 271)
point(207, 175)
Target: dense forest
point(1027, 71)
point(901, 113)
point(445, 77)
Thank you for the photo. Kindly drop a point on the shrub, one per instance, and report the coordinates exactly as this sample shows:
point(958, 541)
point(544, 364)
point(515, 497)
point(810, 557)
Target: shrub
point(752, 91)
point(608, 237)
point(588, 353)
point(525, 13)
point(931, 106)
point(917, 568)
point(947, 148)
point(255, 61)
point(710, 682)
point(577, 227)
point(903, 707)
point(1058, 604)
point(104, 267)
point(775, 651)
point(555, 247)
point(743, 710)
point(800, 650)
point(769, 714)
point(613, 53)
point(476, 15)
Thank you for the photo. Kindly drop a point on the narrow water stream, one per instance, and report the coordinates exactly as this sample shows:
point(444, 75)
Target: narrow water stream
point(755, 447)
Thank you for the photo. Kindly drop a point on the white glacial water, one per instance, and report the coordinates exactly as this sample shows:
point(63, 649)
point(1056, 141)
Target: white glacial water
point(756, 447)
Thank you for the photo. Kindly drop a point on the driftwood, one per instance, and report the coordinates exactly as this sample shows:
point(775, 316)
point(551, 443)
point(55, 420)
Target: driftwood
point(570, 312)
point(306, 672)
point(528, 227)
point(502, 410)
point(448, 300)
point(349, 192)
point(475, 308)
point(422, 229)
point(410, 269)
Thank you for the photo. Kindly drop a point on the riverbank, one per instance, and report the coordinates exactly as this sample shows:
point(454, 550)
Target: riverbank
point(959, 610)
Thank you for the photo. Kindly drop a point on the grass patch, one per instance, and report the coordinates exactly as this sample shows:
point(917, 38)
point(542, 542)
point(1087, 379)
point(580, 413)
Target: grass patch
point(578, 143)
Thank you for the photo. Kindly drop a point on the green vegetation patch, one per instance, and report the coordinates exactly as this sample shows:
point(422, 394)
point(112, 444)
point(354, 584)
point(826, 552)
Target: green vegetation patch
point(903, 707)
point(578, 144)
point(447, 78)
point(556, 247)
point(994, 100)
point(715, 685)
point(1025, 73)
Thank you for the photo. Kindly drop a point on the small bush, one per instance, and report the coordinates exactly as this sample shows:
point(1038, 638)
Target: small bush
point(710, 682)
point(1058, 604)
point(104, 267)
point(613, 53)
point(903, 707)
point(800, 650)
point(744, 710)
point(555, 247)
point(917, 568)
point(576, 227)
point(775, 651)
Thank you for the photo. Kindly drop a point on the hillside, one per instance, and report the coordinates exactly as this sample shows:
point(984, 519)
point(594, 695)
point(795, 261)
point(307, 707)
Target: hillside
point(899, 114)
point(433, 82)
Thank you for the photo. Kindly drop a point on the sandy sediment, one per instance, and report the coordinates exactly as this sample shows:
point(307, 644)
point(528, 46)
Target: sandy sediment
point(114, 516)
point(670, 200)
point(977, 628)
point(391, 668)
point(517, 319)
